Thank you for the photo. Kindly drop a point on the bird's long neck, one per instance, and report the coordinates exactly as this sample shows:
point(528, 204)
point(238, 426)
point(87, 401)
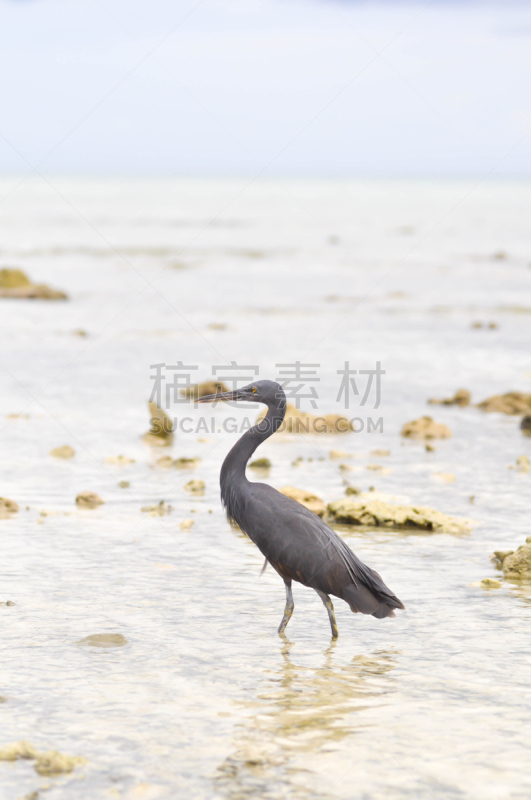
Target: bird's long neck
point(233, 469)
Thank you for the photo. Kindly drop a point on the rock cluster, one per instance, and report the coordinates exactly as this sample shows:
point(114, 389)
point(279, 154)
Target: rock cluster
point(48, 763)
point(516, 564)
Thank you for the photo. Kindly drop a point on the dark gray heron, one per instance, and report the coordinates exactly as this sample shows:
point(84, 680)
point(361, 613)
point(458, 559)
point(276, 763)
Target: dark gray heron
point(295, 541)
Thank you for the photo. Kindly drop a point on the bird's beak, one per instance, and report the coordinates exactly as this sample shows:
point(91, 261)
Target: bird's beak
point(226, 396)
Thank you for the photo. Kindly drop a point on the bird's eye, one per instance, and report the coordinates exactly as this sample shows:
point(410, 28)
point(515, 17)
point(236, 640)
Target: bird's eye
point(253, 390)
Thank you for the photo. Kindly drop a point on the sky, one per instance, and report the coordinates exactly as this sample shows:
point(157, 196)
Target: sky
point(311, 88)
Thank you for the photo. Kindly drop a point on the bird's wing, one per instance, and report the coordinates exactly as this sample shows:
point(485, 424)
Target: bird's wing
point(298, 517)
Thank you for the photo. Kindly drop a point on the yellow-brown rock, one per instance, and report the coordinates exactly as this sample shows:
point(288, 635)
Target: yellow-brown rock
point(89, 500)
point(65, 451)
point(509, 403)
point(104, 640)
point(195, 487)
point(157, 510)
point(377, 513)
point(426, 428)
point(7, 507)
point(15, 283)
point(516, 564)
point(460, 398)
point(48, 763)
point(308, 499)
point(161, 432)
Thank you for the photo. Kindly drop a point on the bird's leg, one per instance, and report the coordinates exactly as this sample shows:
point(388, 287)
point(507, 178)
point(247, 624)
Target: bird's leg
point(330, 608)
point(288, 611)
point(266, 562)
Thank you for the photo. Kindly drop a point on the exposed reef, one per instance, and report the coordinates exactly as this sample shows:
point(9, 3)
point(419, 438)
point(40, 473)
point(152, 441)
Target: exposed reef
point(426, 428)
point(305, 498)
point(377, 513)
point(14, 283)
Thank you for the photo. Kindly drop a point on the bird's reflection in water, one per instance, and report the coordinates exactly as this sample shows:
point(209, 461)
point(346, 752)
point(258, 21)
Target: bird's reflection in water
point(301, 711)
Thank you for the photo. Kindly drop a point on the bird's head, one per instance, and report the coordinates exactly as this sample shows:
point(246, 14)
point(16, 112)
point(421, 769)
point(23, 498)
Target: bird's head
point(268, 392)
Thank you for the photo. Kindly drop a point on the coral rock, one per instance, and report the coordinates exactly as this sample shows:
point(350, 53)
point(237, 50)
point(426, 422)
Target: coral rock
point(157, 510)
point(15, 283)
point(65, 451)
point(104, 640)
point(305, 498)
point(7, 507)
point(376, 513)
point(89, 500)
point(509, 403)
point(195, 487)
point(260, 463)
point(490, 583)
point(426, 428)
point(161, 432)
point(516, 564)
point(460, 398)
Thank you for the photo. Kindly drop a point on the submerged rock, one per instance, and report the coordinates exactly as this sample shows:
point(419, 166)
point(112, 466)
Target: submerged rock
point(15, 283)
point(49, 763)
point(89, 500)
point(195, 487)
point(308, 499)
point(104, 640)
point(426, 428)
point(378, 513)
point(157, 510)
point(161, 432)
point(120, 461)
point(490, 583)
point(178, 463)
point(509, 403)
point(260, 463)
point(54, 763)
point(338, 454)
point(525, 425)
point(198, 390)
point(444, 477)
point(186, 524)
point(185, 462)
point(164, 461)
point(380, 469)
point(65, 451)
point(7, 507)
point(460, 398)
point(523, 464)
point(16, 750)
point(516, 564)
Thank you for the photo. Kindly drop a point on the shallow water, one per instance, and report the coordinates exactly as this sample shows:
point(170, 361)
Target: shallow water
point(205, 700)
